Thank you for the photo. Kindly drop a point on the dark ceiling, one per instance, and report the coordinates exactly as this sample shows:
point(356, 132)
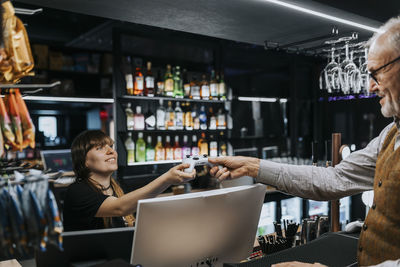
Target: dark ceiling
point(249, 21)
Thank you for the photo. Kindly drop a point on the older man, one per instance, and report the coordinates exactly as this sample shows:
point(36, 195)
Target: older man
point(376, 166)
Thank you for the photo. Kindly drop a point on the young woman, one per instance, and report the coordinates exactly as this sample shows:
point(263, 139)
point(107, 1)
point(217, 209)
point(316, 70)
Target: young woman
point(95, 200)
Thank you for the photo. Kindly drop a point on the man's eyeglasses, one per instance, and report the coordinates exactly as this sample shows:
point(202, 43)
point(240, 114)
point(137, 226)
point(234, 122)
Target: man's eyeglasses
point(373, 73)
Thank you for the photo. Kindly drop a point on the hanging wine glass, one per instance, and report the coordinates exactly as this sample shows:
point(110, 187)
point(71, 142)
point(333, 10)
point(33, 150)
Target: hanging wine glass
point(354, 76)
point(331, 73)
point(347, 68)
point(364, 77)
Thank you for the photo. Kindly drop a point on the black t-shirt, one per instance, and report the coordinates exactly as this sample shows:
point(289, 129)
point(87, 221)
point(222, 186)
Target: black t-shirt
point(80, 207)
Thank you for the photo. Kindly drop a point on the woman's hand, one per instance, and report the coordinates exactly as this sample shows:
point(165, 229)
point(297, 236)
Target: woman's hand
point(234, 167)
point(176, 175)
point(297, 264)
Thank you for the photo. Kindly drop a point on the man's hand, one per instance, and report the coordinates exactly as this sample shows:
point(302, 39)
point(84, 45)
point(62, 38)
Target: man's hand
point(234, 167)
point(297, 264)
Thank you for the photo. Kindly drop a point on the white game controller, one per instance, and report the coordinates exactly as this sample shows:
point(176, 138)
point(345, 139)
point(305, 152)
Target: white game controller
point(197, 161)
point(353, 226)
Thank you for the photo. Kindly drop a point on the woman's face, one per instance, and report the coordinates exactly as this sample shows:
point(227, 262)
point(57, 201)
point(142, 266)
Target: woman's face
point(102, 159)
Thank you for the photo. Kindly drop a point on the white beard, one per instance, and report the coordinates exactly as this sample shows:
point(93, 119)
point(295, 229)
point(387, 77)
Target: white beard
point(391, 108)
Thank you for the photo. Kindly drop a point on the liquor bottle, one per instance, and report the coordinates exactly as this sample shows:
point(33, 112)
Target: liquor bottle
point(129, 117)
point(178, 117)
point(170, 117)
point(186, 84)
point(188, 118)
point(194, 89)
point(195, 147)
point(160, 150)
point(130, 149)
point(203, 145)
point(222, 88)
point(160, 84)
point(169, 152)
point(177, 149)
point(138, 118)
point(213, 147)
point(204, 88)
point(203, 118)
point(221, 120)
point(140, 148)
point(161, 116)
point(150, 120)
point(213, 86)
point(222, 147)
point(150, 151)
point(178, 86)
point(213, 119)
point(196, 119)
point(149, 81)
point(186, 147)
point(128, 76)
point(139, 82)
point(168, 82)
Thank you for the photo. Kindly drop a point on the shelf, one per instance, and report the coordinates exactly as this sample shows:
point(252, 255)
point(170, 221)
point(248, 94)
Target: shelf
point(155, 162)
point(156, 98)
point(172, 131)
point(69, 99)
point(72, 72)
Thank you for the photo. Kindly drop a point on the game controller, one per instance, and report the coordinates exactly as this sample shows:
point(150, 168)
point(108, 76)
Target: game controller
point(353, 226)
point(197, 161)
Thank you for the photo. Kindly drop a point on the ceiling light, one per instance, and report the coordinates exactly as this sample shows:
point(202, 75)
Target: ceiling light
point(257, 99)
point(322, 15)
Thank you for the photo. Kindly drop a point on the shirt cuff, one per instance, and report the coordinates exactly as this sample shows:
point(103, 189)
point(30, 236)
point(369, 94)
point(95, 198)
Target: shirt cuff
point(268, 172)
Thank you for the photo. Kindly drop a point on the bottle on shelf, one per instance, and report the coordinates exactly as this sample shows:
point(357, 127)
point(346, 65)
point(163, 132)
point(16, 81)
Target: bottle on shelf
point(188, 118)
point(203, 144)
point(213, 146)
point(203, 118)
point(161, 116)
point(222, 147)
point(139, 81)
point(196, 119)
point(213, 86)
point(204, 88)
point(168, 82)
point(130, 122)
point(222, 88)
point(150, 120)
point(170, 118)
point(213, 119)
point(221, 120)
point(178, 86)
point(140, 148)
point(186, 84)
point(169, 151)
point(138, 118)
point(194, 89)
point(160, 150)
point(195, 148)
point(130, 149)
point(128, 76)
point(178, 117)
point(150, 151)
point(149, 81)
point(186, 150)
point(177, 149)
point(160, 84)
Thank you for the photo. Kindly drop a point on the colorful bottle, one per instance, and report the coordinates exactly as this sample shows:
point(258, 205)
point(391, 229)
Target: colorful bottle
point(221, 120)
point(194, 89)
point(160, 116)
point(150, 151)
point(204, 88)
point(170, 117)
point(213, 147)
point(130, 122)
point(213, 119)
point(168, 82)
point(128, 76)
point(140, 148)
point(130, 149)
point(195, 147)
point(186, 84)
point(149, 81)
point(160, 151)
point(188, 118)
point(169, 151)
point(178, 117)
point(150, 120)
point(178, 85)
point(203, 118)
point(213, 86)
point(186, 150)
point(138, 118)
point(160, 84)
point(222, 88)
point(139, 82)
point(177, 149)
point(222, 147)
point(203, 144)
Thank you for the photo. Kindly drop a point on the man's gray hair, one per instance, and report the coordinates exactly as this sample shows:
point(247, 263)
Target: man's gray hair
point(392, 29)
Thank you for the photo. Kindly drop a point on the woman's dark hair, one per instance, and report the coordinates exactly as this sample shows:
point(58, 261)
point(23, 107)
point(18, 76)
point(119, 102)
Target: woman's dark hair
point(81, 145)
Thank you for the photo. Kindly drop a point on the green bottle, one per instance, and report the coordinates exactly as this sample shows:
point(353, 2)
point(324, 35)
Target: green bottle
point(140, 148)
point(178, 85)
point(150, 152)
point(130, 149)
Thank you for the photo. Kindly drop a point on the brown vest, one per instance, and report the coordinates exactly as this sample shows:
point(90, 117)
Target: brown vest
point(380, 235)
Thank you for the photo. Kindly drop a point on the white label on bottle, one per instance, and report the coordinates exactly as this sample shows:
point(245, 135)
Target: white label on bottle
point(151, 121)
point(150, 154)
point(139, 123)
point(221, 89)
point(130, 123)
point(179, 120)
point(160, 154)
point(213, 149)
point(205, 91)
point(139, 82)
point(149, 82)
point(160, 119)
point(214, 89)
point(186, 88)
point(213, 123)
point(178, 153)
point(129, 80)
point(195, 91)
point(221, 124)
point(169, 154)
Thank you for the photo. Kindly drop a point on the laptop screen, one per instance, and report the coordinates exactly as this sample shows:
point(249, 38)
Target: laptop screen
point(57, 160)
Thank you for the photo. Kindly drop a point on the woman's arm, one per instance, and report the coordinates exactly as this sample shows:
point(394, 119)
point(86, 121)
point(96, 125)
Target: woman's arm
point(127, 204)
